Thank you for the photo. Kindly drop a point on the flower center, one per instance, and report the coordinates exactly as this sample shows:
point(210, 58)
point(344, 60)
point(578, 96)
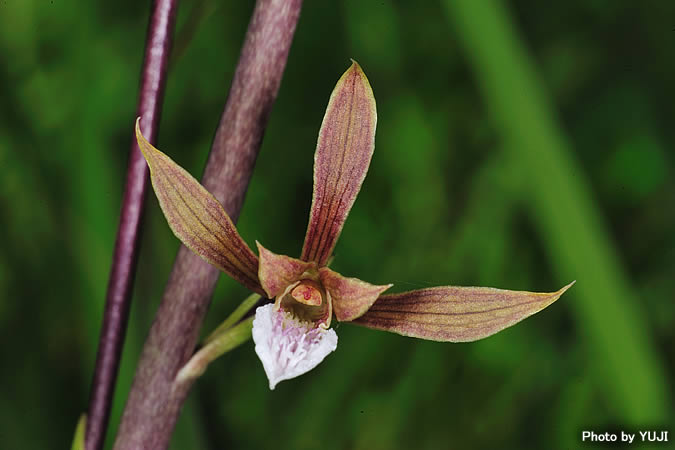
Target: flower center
point(308, 301)
point(308, 292)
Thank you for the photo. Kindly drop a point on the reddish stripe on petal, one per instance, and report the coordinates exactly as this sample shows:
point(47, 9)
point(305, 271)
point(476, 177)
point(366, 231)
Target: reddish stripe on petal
point(454, 314)
point(343, 153)
point(197, 219)
point(351, 297)
point(278, 272)
point(228, 255)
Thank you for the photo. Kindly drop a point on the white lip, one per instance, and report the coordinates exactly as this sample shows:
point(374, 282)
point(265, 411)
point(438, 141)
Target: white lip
point(288, 347)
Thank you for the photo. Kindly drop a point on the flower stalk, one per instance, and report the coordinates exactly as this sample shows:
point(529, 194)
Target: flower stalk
point(234, 331)
point(127, 243)
point(225, 340)
point(155, 401)
point(237, 315)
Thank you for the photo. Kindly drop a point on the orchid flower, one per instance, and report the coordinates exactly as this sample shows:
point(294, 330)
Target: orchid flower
point(293, 334)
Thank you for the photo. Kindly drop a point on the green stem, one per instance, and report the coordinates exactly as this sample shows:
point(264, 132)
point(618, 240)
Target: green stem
point(245, 306)
point(615, 330)
point(229, 335)
point(218, 345)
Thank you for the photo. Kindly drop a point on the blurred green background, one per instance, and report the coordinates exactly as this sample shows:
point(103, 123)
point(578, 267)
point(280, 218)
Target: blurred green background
point(520, 145)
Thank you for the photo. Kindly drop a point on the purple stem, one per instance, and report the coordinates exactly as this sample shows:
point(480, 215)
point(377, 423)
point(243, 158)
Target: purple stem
point(155, 399)
point(125, 256)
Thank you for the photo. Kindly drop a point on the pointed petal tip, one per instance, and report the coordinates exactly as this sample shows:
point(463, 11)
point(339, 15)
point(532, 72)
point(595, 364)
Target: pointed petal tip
point(143, 144)
point(564, 289)
point(357, 70)
point(137, 127)
point(551, 297)
point(355, 73)
point(355, 65)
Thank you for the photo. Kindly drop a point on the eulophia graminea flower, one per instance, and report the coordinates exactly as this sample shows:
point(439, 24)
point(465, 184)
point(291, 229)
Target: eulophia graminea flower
point(293, 334)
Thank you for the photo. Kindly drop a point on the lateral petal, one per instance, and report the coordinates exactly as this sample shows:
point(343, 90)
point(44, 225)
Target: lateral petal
point(197, 219)
point(351, 297)
point(343, 152)
point(454, 314)
point(277, 272)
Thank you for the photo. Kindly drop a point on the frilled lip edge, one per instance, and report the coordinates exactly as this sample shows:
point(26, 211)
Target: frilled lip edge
point(288, 347)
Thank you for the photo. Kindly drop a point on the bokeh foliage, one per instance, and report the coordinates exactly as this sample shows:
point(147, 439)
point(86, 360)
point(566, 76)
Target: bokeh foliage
point(518, 147)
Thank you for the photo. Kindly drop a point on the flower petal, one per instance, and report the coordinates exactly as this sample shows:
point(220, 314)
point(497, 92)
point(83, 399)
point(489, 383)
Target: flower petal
point(197, 219)
point(286, 346)
point(351, 297)
point(277, 272)
point(454, 314)
point(345, 146)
